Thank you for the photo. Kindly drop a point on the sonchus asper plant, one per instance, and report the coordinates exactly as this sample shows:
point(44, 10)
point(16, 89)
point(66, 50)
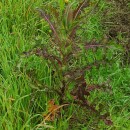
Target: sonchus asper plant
point(65, 50)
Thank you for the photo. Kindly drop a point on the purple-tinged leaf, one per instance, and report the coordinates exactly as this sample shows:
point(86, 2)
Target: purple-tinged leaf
point(46, 17)
point(81, 6)
point(106, 121)
point(46, 55)
point(73, 32)
point(93, 46)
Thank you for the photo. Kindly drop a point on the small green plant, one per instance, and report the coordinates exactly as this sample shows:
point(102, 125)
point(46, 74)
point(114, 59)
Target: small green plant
point(65, 52)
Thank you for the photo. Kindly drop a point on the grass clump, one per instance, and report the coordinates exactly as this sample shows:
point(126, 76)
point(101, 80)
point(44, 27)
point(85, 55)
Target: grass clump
point(75, 67)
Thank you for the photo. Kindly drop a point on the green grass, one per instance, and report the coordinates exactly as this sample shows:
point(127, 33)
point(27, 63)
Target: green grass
point(23, 91)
